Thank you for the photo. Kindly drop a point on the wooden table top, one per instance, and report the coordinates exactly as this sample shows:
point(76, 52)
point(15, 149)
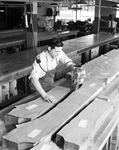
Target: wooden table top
point(10, 42)
point(12, 38)
point(18, 65)
point(42, 36)
point(84, 43)
point(13, 32)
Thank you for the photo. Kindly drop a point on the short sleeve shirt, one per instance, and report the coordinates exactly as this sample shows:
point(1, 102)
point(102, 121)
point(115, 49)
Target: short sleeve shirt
point(48, 63)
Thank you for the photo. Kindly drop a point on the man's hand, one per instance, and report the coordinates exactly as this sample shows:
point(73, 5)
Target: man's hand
point(49, 98)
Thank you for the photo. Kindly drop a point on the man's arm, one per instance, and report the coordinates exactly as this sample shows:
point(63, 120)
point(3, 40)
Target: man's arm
point(66, 60)
point(41, 91)
point(71, 67)
point(37, 86)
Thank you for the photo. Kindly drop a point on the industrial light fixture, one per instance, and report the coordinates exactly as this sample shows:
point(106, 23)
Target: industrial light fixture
point(82, 2)
point(54, 4)
point(116, 1)
point(77, 4)
point(115, 6)
point(75, 7)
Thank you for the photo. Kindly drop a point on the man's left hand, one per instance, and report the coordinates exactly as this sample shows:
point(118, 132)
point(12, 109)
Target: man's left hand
point(50, 99)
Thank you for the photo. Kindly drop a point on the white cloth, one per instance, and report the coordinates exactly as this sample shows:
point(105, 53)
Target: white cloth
point(48, 63)
point(112, 24)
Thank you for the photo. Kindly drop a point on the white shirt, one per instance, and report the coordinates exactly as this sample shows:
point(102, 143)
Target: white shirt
point(48, 63)
point(112, 24)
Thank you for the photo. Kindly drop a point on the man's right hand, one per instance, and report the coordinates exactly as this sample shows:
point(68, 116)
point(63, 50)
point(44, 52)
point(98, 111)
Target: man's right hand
point(49, 98)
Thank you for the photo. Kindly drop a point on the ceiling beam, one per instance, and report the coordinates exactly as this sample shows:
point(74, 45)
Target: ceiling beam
point(116, 1)
point(45, 1)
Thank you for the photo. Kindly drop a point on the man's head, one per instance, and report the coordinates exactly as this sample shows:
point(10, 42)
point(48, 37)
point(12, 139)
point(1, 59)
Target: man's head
point(55, 47)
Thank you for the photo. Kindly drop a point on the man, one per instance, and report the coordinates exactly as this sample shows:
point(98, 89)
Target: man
point(112, 24)
point(44, 68)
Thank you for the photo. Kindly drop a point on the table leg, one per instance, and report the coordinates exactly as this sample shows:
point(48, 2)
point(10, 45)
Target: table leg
point(106, 48)
point(86, 56)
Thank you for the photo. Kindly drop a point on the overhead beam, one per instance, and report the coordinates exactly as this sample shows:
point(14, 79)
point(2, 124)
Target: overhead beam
point(44, 1)
point(116, 1)
point(109, 7)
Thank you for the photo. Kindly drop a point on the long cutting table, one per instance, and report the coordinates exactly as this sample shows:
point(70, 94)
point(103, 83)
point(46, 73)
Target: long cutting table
point(42, 36)
point(18, 65)
point(12, 38)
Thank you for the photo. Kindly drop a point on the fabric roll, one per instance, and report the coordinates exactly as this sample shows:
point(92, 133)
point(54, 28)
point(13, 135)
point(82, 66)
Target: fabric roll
point(13, 88)
point(62, 144)
point(5, 92)
point(0, 94)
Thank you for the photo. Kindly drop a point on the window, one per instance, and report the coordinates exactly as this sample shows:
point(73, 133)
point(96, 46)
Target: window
point(11, 15)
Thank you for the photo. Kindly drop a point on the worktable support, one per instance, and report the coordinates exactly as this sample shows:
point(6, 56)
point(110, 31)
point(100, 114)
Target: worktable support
point(106, 48)
point(97, 16)
point(32, 34)
point(86, 56)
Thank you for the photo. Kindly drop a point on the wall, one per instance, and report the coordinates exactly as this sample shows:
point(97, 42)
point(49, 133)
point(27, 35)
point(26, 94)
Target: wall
point(44, 22)
point(106, 11)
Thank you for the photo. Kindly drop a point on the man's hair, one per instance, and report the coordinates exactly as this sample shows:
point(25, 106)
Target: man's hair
point(55, 42)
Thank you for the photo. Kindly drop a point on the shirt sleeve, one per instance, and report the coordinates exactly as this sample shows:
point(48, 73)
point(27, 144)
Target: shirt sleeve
point(65, 59)
point(36, 72)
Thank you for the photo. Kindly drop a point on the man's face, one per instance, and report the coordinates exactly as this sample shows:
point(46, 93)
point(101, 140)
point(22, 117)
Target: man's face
point(55, 52)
